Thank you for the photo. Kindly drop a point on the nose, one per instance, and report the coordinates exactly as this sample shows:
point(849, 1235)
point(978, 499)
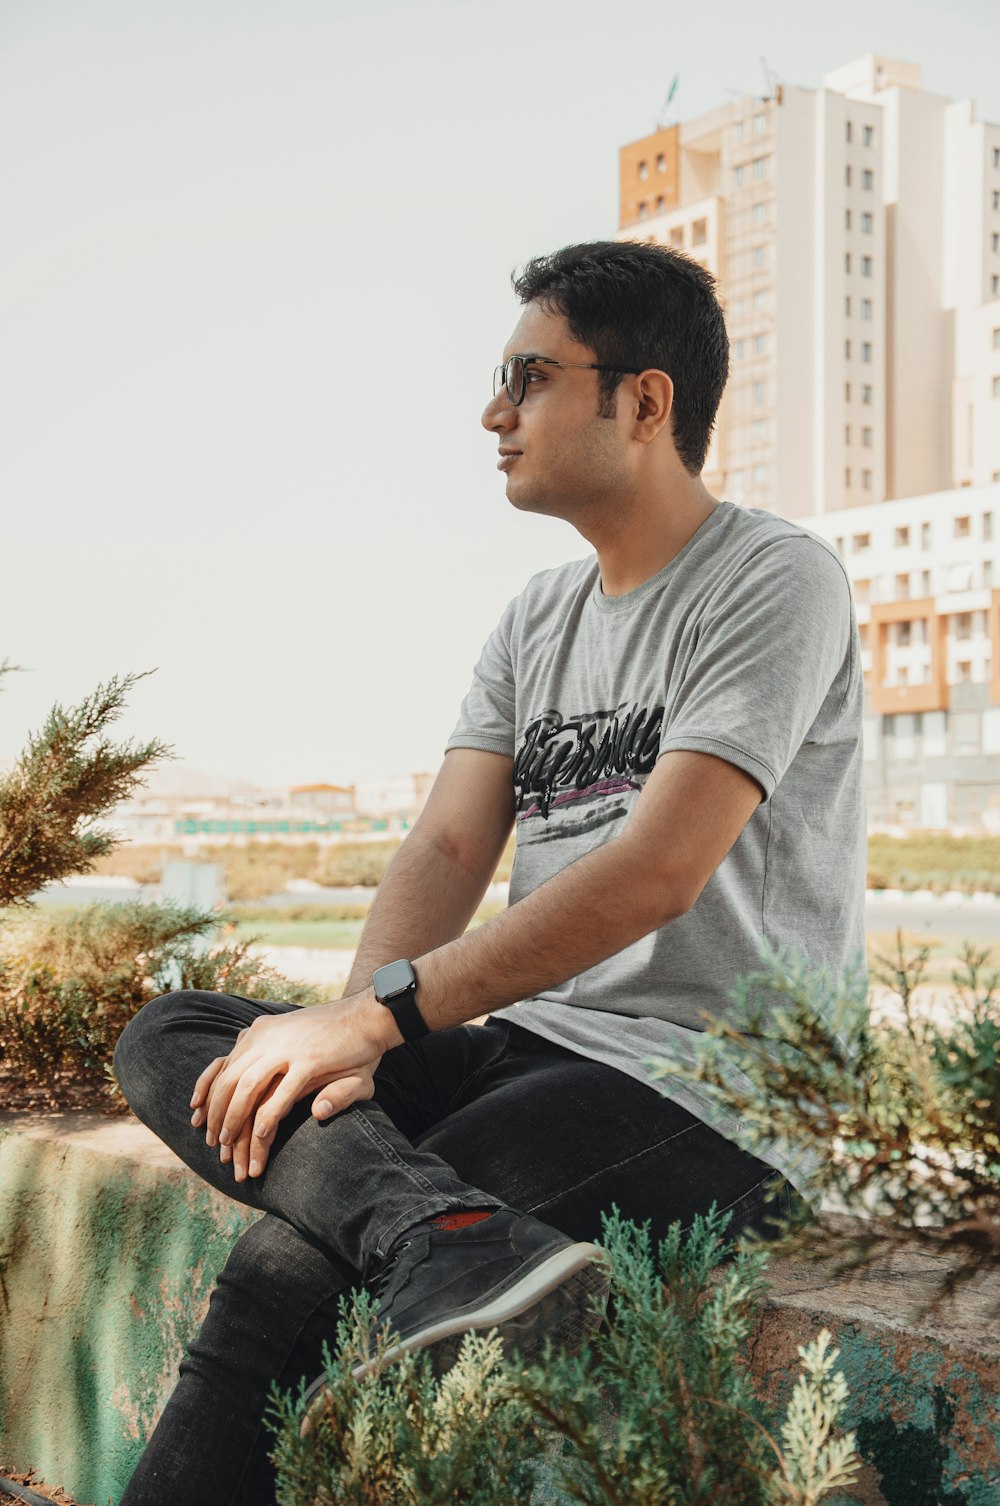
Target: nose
point(498, 415)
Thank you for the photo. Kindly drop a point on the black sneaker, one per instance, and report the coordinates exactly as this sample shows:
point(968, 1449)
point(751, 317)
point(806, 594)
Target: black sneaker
point(508, 1271)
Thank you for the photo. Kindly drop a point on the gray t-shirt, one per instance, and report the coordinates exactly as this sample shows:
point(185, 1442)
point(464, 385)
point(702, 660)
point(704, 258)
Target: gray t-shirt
point(744, 646)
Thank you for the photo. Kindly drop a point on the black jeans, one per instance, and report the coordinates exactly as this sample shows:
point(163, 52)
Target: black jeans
point(469, 1117)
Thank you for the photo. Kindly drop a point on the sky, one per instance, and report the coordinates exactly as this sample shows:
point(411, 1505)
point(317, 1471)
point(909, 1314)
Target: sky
point(254, 278)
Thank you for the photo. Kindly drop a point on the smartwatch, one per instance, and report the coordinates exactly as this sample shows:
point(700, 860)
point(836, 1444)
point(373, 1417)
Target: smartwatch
point(395, 986)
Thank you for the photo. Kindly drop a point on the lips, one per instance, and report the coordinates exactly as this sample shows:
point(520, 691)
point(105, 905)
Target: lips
point(507, 458)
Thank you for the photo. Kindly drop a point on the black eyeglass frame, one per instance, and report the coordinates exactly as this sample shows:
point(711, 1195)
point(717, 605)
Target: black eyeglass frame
point(523, 362)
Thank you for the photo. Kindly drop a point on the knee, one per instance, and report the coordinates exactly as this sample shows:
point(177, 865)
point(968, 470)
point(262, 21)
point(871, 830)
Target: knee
point(139, 1055)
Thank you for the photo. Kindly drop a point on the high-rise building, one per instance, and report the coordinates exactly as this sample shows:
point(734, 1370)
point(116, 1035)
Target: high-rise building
point(855, 233)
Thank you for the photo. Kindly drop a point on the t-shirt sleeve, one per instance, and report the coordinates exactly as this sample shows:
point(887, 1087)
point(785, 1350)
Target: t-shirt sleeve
point(487, 717)
point(772, 651)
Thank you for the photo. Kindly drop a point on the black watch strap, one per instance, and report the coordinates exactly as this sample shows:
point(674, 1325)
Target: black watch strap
point(395, 986)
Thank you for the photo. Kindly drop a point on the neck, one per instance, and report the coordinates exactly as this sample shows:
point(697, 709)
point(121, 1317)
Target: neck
point(648, 533)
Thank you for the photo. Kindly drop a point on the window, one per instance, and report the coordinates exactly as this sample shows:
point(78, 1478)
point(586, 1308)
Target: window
point(904, 731)
point(925, 582)
point(661, 163)
point(759, 474)
point(996, 386)
point(738, 131)
point(759, 344)
point(867, 178)
point(866, 437)
point(699, 232)
point(759, 213)
point(862, 591)
point(866, 266)
point(847, 176)
point(847, 350)
point(965, 727)
point(847, 433)
point(866, 393)
point(866, 224)
point(840, 547)
point(996, 338)
point(995, 284)
point(868, 134)
point(902, 537)
point(739, 307)
point(995, 241)
point(903, 628)
point(737, 350)
point(963, 625)
point(643, 171)
point(643, 211)
point(758, 394)
point(758, 301)
point(660, 203)
point(962, 528)
point(996, 156)
point(987, 526)
point(758, 256)
point(861, 541)
point(925, 535)
point(758, 125)
point(847, 392)
point(866, 308)
point(987, 573)
point(759, 430)
point(847, 261)
point(996, 198)
point(677, 236)
point(847, 131)
point(866, 351)
point(759, 166)
point(847, 306)
point(866, 480)
point(738, 175)
point(847, 219)
point(964, 669)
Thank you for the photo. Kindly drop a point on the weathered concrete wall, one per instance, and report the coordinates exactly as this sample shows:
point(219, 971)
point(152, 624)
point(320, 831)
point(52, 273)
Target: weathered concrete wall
point(109, 1248)
point(924, 1381)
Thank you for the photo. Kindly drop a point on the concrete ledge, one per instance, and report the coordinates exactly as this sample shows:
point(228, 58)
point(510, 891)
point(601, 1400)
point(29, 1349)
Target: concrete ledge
point(109, 1249)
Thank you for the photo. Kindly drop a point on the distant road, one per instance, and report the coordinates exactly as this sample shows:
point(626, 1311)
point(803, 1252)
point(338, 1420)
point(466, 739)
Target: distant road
point(979, 920)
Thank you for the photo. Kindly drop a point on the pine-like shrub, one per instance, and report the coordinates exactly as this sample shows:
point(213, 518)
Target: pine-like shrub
point(658, 1410)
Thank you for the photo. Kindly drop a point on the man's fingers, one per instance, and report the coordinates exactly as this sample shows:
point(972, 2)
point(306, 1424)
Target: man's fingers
point(339, 1095)
point(284, 1093)
point(206, 1080)
point(241, 1151)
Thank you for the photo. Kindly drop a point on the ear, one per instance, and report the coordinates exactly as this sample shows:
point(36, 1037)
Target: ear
point(654, 397)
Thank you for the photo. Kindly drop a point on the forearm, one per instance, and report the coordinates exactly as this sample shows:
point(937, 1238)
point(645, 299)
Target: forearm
point(592, 910)
point(425, 899)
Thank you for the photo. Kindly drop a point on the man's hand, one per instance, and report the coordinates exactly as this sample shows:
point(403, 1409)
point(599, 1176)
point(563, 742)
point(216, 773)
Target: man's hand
point(331, 1050)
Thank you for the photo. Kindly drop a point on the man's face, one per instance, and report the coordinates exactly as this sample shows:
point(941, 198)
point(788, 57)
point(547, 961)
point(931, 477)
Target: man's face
point(558, 455)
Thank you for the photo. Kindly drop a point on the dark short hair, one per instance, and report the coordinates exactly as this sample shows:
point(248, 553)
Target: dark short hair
point(640, 305)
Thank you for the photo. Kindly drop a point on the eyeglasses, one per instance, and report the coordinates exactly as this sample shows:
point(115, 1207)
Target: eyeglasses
point(513, 374)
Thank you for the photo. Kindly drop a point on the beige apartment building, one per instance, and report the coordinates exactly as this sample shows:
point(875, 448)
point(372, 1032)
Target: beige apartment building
point(854, 231)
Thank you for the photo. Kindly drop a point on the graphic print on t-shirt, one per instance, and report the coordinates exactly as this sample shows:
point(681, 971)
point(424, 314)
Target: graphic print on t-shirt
point(588, 762)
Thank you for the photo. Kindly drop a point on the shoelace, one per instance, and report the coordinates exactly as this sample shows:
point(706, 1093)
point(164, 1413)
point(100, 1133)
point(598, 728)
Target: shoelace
point(384, 1276)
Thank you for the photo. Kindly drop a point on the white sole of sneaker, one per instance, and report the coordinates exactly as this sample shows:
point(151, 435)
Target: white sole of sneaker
point(569, 1276)
point(552, 1300)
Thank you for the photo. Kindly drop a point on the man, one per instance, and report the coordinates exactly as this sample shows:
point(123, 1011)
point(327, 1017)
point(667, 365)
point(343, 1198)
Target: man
point(672, 725)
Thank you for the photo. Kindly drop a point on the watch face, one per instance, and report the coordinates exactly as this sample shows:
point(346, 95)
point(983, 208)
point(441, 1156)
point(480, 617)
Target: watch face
point(395, 978)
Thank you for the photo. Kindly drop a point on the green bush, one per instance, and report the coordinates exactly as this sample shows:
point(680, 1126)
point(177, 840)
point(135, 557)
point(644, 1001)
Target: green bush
point(658, 1407)
point(70, 981)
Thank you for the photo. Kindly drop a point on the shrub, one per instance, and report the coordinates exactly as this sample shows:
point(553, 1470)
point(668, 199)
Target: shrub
point(684, 1424)
point(901, 1120)
point(71, 980)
